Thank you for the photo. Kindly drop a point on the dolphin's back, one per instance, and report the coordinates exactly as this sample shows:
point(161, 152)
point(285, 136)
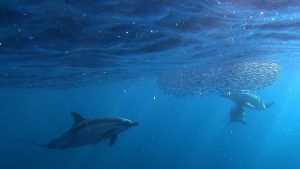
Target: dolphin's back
point(105, 121)
point(84, 132)
point(93, 131)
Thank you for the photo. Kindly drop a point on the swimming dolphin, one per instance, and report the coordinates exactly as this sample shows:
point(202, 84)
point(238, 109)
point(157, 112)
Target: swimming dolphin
point(248, 99)
point(84, 132)
point(237, 114)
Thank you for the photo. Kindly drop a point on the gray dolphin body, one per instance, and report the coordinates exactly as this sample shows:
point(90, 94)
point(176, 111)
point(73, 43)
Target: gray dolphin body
point(248, 99)
point(237, 114)
point(85, 132)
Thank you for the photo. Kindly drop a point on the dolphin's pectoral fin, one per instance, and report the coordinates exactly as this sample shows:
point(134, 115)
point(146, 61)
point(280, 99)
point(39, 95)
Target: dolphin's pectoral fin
point(113, 139)
point(77, 118)
point(268, 105)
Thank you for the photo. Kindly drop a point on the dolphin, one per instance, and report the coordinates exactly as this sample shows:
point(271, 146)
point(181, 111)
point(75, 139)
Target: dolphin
point(237, 114)
point(85, 132)
point(248, 99)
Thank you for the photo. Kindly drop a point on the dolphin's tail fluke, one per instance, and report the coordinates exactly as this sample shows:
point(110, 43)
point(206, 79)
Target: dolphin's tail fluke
point(242, 122)
point(268, 105)
point(38, 144)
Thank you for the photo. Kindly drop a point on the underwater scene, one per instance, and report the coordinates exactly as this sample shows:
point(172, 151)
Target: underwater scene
point(157, 84)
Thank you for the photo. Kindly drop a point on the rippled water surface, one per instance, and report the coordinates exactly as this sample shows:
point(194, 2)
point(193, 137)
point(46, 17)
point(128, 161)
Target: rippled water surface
point(75, 42)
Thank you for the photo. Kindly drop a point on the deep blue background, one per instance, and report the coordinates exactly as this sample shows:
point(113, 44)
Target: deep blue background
point(174, 133)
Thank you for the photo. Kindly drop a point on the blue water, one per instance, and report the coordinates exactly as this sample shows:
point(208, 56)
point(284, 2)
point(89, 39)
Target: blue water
point(161, 63)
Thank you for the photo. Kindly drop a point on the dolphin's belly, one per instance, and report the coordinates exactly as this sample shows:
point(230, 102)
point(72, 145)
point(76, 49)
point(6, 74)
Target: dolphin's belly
point(253, 102)
point(91, 134)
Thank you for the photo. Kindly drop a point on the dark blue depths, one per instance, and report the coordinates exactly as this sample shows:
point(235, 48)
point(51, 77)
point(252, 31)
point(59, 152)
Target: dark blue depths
point(173, 133)
point(107, 58)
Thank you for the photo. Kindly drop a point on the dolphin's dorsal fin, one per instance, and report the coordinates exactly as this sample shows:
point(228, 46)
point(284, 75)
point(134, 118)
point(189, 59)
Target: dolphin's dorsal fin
point(77, 118)
point(113, 139)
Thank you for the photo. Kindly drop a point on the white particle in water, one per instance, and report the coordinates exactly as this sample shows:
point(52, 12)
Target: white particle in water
point(261, 13)
point(0, 43)
point(290, 89)
point(151, 31)
point(154, 98)
point(126, 32)
point(219, 3)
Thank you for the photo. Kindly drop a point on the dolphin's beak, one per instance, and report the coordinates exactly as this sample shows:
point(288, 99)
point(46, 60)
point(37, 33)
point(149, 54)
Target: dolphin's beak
point(132, 124)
